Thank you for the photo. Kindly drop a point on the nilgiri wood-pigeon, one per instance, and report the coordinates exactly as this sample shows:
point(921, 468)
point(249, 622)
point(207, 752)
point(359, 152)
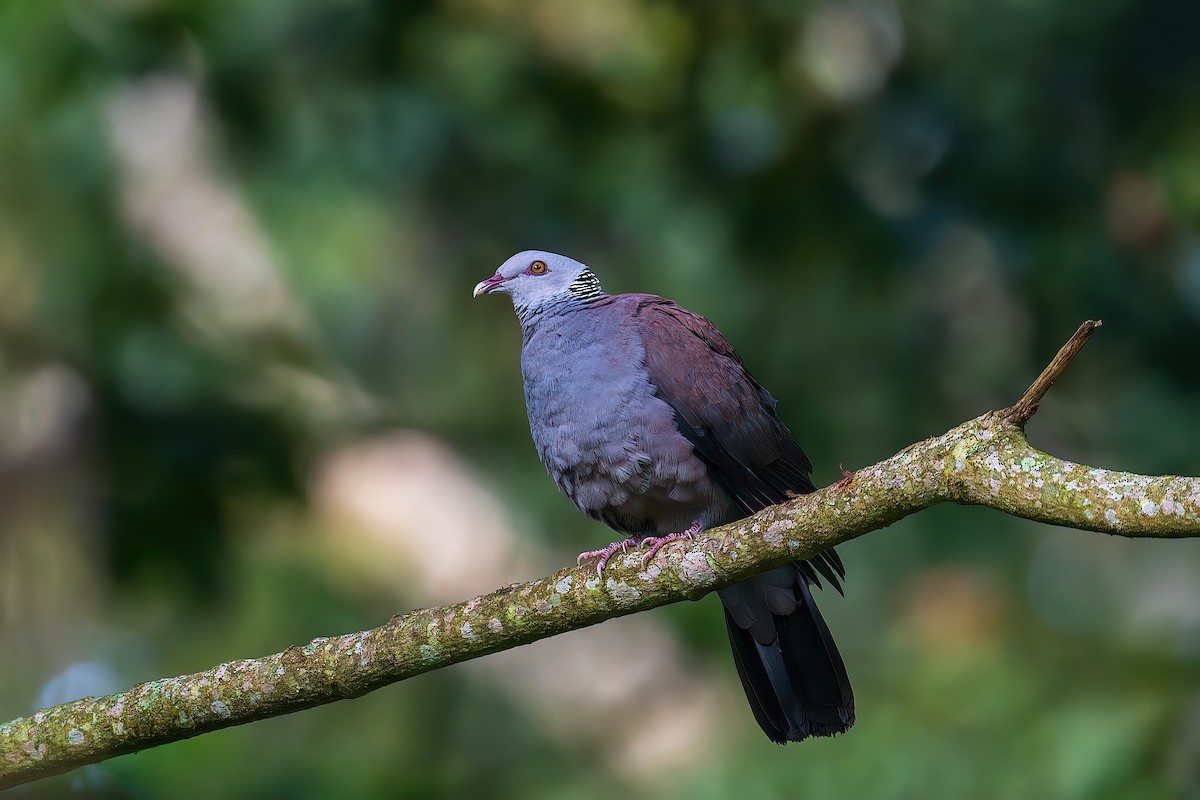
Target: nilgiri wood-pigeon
point(646, 417)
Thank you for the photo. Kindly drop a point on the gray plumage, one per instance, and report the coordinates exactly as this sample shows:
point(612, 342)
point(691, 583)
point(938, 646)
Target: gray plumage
point(606, 438)
point(645, 416)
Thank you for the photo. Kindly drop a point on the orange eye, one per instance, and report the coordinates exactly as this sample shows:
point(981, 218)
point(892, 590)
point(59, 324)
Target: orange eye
point(538, 267)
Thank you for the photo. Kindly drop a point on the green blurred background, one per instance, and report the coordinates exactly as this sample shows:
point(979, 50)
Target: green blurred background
point(246, 398)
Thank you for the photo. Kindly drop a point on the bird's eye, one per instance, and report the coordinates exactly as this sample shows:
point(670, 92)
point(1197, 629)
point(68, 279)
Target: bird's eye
point(538, 267)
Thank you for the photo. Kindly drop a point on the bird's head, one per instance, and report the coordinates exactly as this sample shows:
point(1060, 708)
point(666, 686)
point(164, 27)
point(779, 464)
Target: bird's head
point(538, 280)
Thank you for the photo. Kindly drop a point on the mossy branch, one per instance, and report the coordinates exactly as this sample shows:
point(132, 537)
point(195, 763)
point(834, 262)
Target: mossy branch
point(986, 461)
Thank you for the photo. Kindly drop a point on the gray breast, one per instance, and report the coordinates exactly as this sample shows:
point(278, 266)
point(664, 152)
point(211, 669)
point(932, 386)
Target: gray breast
point(608, 442)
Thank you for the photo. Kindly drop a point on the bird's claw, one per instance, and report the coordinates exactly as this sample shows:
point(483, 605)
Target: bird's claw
point(656, 542)
point(605, 553)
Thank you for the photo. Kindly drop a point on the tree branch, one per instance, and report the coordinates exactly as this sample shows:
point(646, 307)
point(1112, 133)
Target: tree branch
point(986, 461)
point(1027, 406)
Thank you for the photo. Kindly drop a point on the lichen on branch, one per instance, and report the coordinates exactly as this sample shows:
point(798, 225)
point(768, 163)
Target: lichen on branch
point(986, 461)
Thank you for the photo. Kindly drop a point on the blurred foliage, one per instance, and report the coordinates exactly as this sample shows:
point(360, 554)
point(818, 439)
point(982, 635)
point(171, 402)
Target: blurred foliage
point(234, 236)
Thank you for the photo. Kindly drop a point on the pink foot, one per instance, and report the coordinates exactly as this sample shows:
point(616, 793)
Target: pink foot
point(656, 542)
point(605, 553)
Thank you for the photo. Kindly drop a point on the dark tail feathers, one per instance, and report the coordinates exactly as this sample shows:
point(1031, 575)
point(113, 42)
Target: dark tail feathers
point(785, 655)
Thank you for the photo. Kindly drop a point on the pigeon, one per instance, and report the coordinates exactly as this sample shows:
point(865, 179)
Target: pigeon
point(646, 418)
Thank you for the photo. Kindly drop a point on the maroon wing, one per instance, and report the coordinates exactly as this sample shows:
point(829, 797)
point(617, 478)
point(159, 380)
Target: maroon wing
point(789, 665)
point(720, 408)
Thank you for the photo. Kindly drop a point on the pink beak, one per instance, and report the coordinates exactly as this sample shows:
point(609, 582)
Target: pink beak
point(488, 286)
